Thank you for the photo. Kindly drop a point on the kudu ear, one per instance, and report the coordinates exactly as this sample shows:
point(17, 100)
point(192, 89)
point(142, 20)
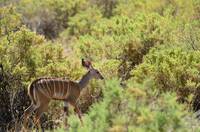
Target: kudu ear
point(86, 63)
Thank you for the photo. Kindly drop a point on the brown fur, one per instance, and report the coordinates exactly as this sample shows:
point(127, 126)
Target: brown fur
point(43, 101)
point(30, 90)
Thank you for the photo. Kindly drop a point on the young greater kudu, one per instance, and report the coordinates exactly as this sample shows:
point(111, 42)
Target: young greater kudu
point(42, 90)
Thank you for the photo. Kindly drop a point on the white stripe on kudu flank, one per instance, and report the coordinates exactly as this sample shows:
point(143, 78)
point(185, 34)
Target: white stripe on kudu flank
point(63, 88)
point(68, 89)
point(54, 87)
point(60, 88)
point(36, 96)
point(48, 88)
point(43, 87)
point(34, 93)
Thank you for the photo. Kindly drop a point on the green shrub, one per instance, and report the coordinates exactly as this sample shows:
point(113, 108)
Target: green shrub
point(99, 113)
point(124, 39)
point(150, 45)
point(189, 37)
point(82, 22)
point(134, 109)
point(176, 8)
point(172, 69)
point(49, 17)
point(10, 20)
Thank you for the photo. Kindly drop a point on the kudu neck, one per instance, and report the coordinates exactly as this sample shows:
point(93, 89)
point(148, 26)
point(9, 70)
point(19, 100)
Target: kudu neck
point(85, 80)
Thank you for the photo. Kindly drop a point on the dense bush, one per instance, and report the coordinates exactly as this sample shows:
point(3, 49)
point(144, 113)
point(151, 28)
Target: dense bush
point(152, 47)
point(129, 38)
point(48, 17)
point(134, 109)
point(26, 56)
point(172, 69)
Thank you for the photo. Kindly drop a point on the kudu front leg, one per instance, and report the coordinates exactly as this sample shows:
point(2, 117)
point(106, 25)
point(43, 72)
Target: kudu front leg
point(77, 110)
point(65, 108)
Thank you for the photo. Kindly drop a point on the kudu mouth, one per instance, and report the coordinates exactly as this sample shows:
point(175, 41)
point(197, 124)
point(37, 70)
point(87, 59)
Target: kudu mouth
point(102, 78)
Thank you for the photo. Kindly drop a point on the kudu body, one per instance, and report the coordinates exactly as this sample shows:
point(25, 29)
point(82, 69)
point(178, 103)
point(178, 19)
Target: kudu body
point(42, 90)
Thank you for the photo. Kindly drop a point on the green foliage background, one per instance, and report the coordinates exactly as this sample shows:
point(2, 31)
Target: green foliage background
point(148, 52)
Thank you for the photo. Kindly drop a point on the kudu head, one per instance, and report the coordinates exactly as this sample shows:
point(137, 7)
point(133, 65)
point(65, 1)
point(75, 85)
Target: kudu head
point(92, 71)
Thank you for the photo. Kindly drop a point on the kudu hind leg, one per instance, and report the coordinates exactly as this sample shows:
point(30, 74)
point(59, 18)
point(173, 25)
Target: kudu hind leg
point(27, 113)
point(38, 113)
